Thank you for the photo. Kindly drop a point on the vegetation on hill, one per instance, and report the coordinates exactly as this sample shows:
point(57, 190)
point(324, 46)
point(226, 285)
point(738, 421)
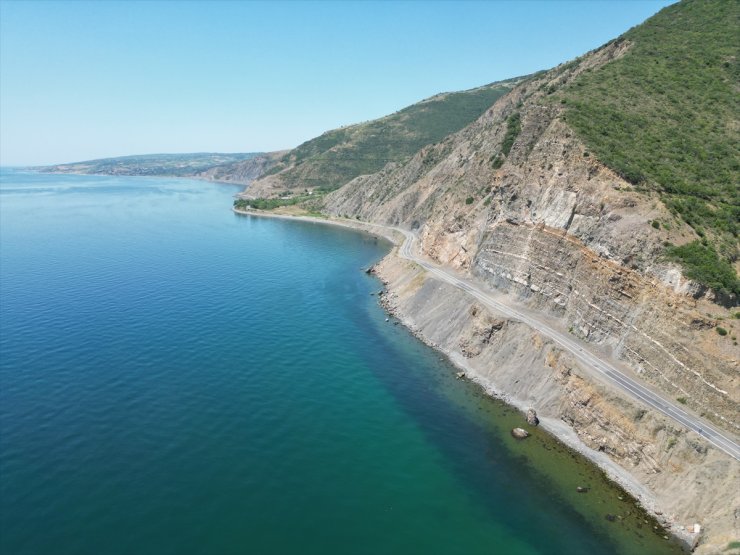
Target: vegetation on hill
point(338, 156)
point(704, 265)
point(665, 118)
point(287, 199)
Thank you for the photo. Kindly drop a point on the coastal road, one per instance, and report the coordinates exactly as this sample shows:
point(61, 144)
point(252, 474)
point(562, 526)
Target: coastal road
point(589, 360)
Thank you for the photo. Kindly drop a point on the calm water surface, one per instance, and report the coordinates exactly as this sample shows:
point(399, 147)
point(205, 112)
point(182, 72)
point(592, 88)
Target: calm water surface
point(178, 379)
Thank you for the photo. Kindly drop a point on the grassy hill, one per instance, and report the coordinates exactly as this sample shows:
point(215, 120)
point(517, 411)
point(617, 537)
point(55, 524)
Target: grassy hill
point(665, 117)
point(334, 158)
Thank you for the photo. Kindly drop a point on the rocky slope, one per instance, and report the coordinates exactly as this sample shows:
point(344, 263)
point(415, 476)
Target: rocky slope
point(672, 472)
point(557, 229)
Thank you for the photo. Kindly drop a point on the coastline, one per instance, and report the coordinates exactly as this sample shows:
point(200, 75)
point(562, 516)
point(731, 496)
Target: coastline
point(153, 176)
point(378, 231)
point(556, 427)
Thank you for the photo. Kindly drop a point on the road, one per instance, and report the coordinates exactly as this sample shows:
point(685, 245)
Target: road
point(589, 360)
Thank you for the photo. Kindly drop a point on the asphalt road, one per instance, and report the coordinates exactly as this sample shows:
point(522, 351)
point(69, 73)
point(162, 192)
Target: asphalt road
point(589, 361)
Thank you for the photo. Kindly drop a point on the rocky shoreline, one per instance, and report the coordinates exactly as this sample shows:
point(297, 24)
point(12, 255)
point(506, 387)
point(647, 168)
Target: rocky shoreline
point(690, 531)
point(406, 300)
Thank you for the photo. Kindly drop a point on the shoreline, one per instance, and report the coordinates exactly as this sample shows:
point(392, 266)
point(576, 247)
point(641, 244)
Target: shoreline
point(557, 428)
point(383, 232)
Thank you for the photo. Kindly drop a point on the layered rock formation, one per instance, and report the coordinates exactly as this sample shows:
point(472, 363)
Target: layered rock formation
point(559, 231)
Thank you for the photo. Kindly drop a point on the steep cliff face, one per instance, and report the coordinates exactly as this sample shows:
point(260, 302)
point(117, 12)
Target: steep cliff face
point(546, 222)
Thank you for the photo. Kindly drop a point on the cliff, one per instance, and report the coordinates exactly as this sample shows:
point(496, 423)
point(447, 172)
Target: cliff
point(554, 227)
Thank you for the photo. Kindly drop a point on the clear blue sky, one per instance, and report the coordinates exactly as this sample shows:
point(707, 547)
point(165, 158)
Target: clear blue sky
point(83, 80)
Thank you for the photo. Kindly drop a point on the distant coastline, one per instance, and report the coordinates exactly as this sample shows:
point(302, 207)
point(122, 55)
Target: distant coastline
point(236, 169)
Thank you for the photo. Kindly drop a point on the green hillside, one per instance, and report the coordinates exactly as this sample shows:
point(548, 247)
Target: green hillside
point(665, 117)
point(331, 160)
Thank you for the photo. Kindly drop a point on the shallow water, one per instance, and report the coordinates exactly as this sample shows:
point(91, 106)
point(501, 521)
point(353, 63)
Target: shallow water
point(175, 378)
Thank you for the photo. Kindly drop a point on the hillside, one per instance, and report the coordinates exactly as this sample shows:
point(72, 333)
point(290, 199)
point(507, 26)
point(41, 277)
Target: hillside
point(238, 168)
point(336, 157)
point(665, 118)
point(662, 114)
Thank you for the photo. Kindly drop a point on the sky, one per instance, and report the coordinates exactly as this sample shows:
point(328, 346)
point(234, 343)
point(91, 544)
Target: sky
point(82, 80)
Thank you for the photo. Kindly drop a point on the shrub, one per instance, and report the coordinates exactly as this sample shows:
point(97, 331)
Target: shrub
point(469, 200)
point(656, 224)
point(513, 127)
point(702, 264)
point(720, 330)
point(681, 400)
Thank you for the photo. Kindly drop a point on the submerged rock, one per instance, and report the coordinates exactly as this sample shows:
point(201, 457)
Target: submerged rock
point(460, 375)
point(519, 433)
point(581, 489)
point(532, 419)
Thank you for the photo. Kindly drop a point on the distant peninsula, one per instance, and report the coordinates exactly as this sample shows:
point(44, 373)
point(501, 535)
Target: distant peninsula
point(239, 168)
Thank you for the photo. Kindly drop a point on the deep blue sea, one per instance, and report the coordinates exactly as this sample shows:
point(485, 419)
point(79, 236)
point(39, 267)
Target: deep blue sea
point(178, 379)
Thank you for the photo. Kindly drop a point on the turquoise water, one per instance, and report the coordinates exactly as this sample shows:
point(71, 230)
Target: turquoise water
point(178, 379)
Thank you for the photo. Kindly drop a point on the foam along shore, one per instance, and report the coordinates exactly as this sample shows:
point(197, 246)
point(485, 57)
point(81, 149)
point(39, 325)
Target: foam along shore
point(405, 299)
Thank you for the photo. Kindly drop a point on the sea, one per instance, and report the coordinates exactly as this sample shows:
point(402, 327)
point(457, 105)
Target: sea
point(179, 379)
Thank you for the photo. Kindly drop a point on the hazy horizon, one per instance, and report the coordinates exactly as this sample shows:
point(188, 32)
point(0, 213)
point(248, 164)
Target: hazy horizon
point(82, 80)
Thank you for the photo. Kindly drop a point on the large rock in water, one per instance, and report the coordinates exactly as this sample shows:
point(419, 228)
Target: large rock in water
point(519, 433)
point(532, 419)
